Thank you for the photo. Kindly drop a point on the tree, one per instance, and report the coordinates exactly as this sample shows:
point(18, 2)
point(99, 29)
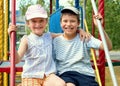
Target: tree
point(112, 21)
point(25, 3)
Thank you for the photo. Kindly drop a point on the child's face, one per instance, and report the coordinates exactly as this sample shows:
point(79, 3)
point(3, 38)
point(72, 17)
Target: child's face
point(37, 25)
point(69, 23)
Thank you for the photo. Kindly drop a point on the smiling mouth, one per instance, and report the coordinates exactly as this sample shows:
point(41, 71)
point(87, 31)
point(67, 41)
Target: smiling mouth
point(38, 27)
point(69, 28)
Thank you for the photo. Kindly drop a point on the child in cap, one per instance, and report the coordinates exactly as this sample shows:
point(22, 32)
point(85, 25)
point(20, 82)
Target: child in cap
point(39, 68)
point(71, 54)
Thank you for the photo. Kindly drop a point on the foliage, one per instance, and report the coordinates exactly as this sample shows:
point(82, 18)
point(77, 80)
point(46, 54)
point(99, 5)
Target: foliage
point(23, 5)
point(112, 20)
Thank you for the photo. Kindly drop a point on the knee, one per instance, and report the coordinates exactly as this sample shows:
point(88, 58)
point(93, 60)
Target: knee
point(70, 84)
point(61, 83)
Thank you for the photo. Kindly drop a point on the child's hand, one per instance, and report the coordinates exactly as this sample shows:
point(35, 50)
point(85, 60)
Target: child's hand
point(84, 35)
point(99, 17)
point(12, 28)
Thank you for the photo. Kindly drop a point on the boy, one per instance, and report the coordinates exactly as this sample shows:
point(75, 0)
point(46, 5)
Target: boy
point(71, 55)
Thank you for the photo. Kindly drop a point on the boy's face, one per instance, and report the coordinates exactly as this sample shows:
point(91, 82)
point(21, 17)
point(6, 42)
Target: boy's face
point(69, 23)
point(37, 25)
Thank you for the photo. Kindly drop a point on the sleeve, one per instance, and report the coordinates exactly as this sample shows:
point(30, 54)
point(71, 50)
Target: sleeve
point(94, 43)
point(48, 35)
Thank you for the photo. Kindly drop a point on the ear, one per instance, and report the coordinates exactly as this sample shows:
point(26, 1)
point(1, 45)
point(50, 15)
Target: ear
point(78, 23)
point(27, 23)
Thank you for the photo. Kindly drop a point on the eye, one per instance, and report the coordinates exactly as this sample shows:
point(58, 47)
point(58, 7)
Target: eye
point(64, 20)
point(41, 21)
point(72, 21)
point(33, 21)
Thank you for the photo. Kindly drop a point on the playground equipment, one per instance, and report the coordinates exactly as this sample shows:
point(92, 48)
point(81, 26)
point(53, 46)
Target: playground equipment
point(3, 39)
point(10, 67)
point(94, 60)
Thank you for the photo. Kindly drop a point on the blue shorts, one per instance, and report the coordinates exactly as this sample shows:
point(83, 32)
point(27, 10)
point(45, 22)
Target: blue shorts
point(78, 79)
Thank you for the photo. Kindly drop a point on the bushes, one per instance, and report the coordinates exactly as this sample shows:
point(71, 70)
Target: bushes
point(112, 20)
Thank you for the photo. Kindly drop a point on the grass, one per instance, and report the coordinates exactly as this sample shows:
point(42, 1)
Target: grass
point(108, 78)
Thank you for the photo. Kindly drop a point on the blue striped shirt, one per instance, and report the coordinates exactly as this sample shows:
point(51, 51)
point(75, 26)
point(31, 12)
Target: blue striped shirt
point(73, 55)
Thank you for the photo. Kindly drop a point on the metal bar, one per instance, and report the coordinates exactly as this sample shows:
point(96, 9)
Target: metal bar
point(105, 45)
point(50, 6)
point(12, 45)
point(84, 12)
point(94, 59)
point(77, 3)
point(57, 4)
point(81, 17)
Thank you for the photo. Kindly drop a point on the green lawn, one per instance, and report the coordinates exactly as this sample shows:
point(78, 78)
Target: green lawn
point(108, 76)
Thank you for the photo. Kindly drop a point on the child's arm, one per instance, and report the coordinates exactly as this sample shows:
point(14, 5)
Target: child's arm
point(22, 47)
point(84, 35)
point(108, 41)
point(55, 34)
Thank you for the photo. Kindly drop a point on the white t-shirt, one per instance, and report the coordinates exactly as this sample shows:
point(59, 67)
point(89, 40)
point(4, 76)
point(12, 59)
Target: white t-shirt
point(38, 58)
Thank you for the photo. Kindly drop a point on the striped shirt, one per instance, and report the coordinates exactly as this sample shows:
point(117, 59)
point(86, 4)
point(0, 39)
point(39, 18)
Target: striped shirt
point(38, 58)
point(73, 55)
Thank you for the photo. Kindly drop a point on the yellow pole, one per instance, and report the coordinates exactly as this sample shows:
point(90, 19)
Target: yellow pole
point(94, 60)
point(1, 36)
point(5, 75)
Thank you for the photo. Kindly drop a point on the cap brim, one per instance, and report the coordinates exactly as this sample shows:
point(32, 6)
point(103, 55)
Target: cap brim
point(71, 9)
point(36, 15)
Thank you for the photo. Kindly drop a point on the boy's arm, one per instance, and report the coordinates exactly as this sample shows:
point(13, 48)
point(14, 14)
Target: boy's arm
point(55, 34)
point(84, 35)
point(108, 41)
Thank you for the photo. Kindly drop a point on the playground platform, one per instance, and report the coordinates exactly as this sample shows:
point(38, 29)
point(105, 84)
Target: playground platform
point(115, 55)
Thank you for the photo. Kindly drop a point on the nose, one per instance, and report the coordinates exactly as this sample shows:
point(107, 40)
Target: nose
point(68, 23)
point(38, 24)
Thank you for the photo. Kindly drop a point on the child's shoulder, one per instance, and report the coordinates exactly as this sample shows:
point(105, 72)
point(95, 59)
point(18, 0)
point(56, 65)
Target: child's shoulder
point(47, 34)
point(24, 38)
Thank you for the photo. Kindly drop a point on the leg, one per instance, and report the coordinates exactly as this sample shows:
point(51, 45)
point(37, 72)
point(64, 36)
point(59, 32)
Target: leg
point(68, 77)
point(73, 78)
point(32, 82)
point(70, 84)
point(19, 84)
point(53, 80)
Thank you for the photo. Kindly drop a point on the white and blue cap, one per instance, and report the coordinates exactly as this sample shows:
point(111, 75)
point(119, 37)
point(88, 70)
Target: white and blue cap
point(73, 9)
point(35, 11)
